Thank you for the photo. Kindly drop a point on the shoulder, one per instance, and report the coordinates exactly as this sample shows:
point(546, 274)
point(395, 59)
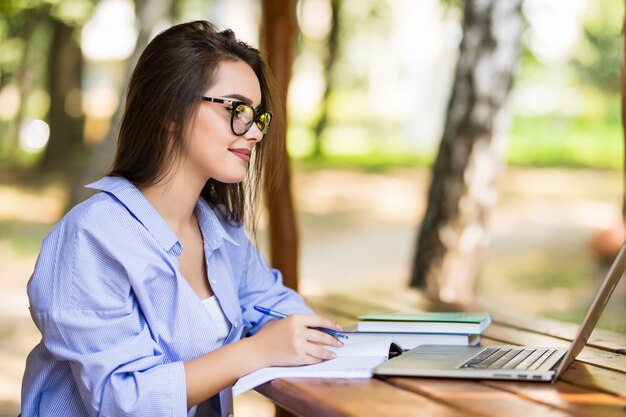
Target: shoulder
point(85, 250)
point(91, 213)
point(100, 217)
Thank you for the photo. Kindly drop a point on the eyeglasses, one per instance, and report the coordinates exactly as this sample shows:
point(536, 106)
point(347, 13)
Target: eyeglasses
point(242, 116)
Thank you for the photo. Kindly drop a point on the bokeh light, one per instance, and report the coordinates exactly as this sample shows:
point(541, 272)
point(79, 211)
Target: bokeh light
point(110, 34)
point(9, 102)
point(34, 135)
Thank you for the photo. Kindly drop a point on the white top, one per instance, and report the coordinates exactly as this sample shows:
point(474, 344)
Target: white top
point(216, 313)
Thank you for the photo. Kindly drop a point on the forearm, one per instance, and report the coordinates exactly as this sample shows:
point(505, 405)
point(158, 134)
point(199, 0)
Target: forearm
point(286, 342)
point(209, 374)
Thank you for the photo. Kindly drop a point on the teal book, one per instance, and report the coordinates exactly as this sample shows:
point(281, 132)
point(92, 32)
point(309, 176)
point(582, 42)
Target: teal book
point(435, 322)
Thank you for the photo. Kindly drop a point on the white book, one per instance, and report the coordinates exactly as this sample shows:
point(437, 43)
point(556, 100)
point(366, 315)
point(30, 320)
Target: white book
point(428, 322)
point(410, 340)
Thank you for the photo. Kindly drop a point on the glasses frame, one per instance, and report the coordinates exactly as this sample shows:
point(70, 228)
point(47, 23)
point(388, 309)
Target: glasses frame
point(233, 106)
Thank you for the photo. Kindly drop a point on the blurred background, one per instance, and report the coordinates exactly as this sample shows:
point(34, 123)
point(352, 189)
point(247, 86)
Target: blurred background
point(367, 106)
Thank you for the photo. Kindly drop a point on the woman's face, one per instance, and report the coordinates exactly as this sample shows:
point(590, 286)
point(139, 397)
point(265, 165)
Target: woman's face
point(211, 149)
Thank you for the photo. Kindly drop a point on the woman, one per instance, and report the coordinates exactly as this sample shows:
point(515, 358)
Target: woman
point(143, 293)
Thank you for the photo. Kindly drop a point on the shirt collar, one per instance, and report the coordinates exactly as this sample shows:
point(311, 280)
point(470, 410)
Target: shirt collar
point(130, 196)
point(211, 225)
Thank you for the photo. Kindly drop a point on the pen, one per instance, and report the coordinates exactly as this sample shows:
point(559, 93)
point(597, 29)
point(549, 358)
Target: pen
point(279, 315)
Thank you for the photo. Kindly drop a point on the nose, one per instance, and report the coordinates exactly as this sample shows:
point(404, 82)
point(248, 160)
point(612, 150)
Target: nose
point(254, 133)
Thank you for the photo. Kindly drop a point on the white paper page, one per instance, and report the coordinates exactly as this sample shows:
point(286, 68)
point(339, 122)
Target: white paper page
point(356, 359)
point(340, 367)
point(360, 347)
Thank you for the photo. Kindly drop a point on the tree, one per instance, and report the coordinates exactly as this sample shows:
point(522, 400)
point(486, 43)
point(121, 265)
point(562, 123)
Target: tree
point(20, 24)
point(454, 233)
point(40, 51)
point(597, 55)
point(64, 78)
point(329, 64)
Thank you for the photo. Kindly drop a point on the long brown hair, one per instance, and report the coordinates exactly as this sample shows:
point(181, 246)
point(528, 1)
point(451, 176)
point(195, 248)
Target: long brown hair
point(163, 94)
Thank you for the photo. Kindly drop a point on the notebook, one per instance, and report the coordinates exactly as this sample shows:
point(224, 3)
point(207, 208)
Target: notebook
point(505, 362)
point(356, 359)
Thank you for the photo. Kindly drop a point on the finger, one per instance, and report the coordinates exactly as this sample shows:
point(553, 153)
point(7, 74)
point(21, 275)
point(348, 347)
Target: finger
point(320, 353)
point(314, 320)
point(321, 338)
point(310, 360)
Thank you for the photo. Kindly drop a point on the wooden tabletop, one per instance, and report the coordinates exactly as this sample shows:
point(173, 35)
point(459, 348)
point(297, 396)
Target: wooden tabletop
point(594, 385)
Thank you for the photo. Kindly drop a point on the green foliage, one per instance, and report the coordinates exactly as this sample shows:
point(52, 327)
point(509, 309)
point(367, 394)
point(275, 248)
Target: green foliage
point(565, 141)
point(21, 25)
point(600, 64)
point(362, 21)
point(372, 162)
point(73, 12)
point(11, 54)
point(598, 57)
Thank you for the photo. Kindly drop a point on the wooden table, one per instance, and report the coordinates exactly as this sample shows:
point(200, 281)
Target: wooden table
point(594, 385)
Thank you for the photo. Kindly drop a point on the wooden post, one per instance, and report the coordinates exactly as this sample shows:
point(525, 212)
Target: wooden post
point(277, 33)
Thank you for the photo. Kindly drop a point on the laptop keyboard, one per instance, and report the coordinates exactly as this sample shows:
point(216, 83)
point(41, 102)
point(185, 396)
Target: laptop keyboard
point(509, 358)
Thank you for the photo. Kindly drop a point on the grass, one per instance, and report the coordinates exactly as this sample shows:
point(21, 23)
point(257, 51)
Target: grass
point(539, 141)
point(565, 142)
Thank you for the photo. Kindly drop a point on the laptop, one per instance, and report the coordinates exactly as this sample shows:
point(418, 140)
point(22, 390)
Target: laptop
point(527, 363)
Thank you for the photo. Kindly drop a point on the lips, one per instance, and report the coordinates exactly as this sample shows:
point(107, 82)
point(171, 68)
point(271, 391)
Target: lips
point(242, 153)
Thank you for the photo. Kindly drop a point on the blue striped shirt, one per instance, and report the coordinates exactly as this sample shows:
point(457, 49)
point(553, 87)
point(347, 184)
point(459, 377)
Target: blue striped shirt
point(118, 319)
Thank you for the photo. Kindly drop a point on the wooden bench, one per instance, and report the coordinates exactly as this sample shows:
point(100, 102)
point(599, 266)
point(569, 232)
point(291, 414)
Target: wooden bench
point(594, 385)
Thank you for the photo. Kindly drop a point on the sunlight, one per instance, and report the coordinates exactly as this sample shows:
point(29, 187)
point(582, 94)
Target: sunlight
point(110, 34)
point(242, 16)
point(306, 87)
point(9, 102)
point(21, 205)
point(588, 398)
point(34, 135)
point(314, 17)
point(555, 27)
point(100, 102)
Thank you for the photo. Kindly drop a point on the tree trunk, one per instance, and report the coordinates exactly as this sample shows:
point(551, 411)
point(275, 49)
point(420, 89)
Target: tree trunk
point(453, 234)
point(66, 130)
point(329, 64)
point(24, 80)
point(278, 29)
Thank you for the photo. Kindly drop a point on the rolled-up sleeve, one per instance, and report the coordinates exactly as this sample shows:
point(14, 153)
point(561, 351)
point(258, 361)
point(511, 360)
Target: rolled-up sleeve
point(263, 286)
point(91, 320)
point(115, 363)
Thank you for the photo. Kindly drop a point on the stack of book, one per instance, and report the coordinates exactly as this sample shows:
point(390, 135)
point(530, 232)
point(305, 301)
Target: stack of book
point(376, 338)
point(412, 329)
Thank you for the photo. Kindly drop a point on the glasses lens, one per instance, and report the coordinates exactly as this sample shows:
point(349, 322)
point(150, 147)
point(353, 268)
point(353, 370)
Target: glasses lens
point(243, 117)
point(263, 121)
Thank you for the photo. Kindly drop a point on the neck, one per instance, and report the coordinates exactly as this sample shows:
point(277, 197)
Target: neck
point(175, 198)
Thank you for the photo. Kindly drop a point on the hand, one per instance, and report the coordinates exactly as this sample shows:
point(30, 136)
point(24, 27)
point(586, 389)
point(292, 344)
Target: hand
point(292, 341)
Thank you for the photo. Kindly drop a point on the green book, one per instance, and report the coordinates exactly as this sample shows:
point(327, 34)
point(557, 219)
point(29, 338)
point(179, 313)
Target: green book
point(436, 322)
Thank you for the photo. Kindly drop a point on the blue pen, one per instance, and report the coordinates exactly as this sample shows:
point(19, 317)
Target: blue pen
point(278, 315)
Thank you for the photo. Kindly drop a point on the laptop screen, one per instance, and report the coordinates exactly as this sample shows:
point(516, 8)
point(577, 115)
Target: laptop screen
point(595, 310)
